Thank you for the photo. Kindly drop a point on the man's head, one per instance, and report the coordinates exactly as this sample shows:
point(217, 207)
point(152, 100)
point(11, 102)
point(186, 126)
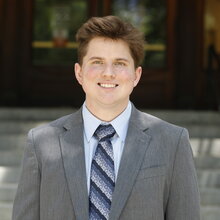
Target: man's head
point(110, 52)
point(113, 28)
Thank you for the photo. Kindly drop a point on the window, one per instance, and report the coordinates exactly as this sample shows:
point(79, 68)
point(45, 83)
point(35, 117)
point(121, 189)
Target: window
point(150, 17)
point(55, 25)
point(56, 22)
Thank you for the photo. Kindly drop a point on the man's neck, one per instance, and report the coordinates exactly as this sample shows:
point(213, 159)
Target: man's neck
point(106, 113)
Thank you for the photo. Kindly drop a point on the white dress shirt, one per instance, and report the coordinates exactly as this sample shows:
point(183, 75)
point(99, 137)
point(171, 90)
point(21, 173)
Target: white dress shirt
point(91, 123)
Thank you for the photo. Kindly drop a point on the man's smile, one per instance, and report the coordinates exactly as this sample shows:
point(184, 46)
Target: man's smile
point(107, 85)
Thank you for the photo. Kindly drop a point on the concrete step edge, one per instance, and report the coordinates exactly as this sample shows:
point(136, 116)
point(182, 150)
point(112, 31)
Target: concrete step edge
point(34, 114)
point(6, 210)
point(210, 196)
point(8, 192)
point(210, 208)
point(207, 162)
point(8, 185)
point(9, 175)
point(20, 127)
point(210, 212)
point(6, 204)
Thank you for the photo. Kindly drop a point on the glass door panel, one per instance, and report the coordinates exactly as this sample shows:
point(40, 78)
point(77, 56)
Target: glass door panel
point(54, 26)
point(211, 28)
point(150, 17)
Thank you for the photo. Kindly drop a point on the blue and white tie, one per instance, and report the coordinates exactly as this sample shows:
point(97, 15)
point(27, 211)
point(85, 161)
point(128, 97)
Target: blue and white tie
point(102, 179)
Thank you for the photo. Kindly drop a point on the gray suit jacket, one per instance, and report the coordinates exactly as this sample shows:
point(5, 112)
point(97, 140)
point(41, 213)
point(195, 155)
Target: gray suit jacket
point(156, 180)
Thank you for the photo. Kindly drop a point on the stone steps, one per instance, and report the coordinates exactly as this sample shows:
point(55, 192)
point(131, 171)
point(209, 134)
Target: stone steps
point(209, 178)
point(33, 114)
point(205, 147)
point(207, 162)
point(18, 127)
point(210, 212)
point(11, 158)
point(8, 191)
point(5, 210)
point(9, 175)
point(210, 196)
point(12, 142)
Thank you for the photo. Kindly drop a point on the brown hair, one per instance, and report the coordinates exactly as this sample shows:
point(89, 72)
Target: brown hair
point(114, 28)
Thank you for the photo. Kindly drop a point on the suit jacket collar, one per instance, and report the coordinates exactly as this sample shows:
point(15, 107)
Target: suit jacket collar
point(72, 148)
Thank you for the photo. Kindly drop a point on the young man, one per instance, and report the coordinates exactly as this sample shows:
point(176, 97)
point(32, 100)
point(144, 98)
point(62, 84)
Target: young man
point(108, 160)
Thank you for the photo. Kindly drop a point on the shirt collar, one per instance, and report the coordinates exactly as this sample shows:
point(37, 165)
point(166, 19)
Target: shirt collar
point(120, 123)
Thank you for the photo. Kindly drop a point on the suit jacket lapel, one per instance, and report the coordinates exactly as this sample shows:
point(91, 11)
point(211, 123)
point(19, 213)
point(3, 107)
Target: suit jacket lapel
point(72, 149)
point(136, 144)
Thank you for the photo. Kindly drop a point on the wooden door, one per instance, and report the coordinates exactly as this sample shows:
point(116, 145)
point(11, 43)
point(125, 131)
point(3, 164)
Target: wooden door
point(40, 82)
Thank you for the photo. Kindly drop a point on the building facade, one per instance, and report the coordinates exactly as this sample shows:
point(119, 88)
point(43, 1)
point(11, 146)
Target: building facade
point(38, 51)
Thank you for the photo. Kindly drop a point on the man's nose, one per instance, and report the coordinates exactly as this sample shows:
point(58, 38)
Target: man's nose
point(108, 71)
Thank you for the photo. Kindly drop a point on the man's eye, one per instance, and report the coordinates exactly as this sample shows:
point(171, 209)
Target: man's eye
point(97, 62)
point(120, 64)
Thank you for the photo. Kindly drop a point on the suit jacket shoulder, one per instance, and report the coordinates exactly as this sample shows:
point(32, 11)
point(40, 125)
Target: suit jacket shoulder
point(155, 125)
point(58, 126)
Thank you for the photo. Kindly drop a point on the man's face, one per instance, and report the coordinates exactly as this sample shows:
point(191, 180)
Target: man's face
point(107, 74)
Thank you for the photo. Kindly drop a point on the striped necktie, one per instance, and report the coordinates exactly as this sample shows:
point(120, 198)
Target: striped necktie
point(102, 179)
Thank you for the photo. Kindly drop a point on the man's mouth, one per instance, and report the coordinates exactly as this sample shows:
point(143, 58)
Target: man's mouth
point(107, 85)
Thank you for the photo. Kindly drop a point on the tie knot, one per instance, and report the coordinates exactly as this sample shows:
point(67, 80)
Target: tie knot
point(104, 131)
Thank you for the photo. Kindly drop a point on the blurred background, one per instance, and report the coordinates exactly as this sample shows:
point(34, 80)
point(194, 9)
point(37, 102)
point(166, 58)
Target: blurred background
point(181, 66)
point(180, 83)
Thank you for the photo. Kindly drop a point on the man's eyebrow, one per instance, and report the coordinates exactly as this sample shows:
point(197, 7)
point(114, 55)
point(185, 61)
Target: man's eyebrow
point(96, 58)
point(116, 59)
point(122, 59)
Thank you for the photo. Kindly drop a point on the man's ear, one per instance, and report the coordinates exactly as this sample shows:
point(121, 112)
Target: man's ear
point(78, 73)
point(138, 73)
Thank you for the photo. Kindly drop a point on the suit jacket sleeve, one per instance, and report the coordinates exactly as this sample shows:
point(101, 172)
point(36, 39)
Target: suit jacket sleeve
point(184, 201)
point(26, 203)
